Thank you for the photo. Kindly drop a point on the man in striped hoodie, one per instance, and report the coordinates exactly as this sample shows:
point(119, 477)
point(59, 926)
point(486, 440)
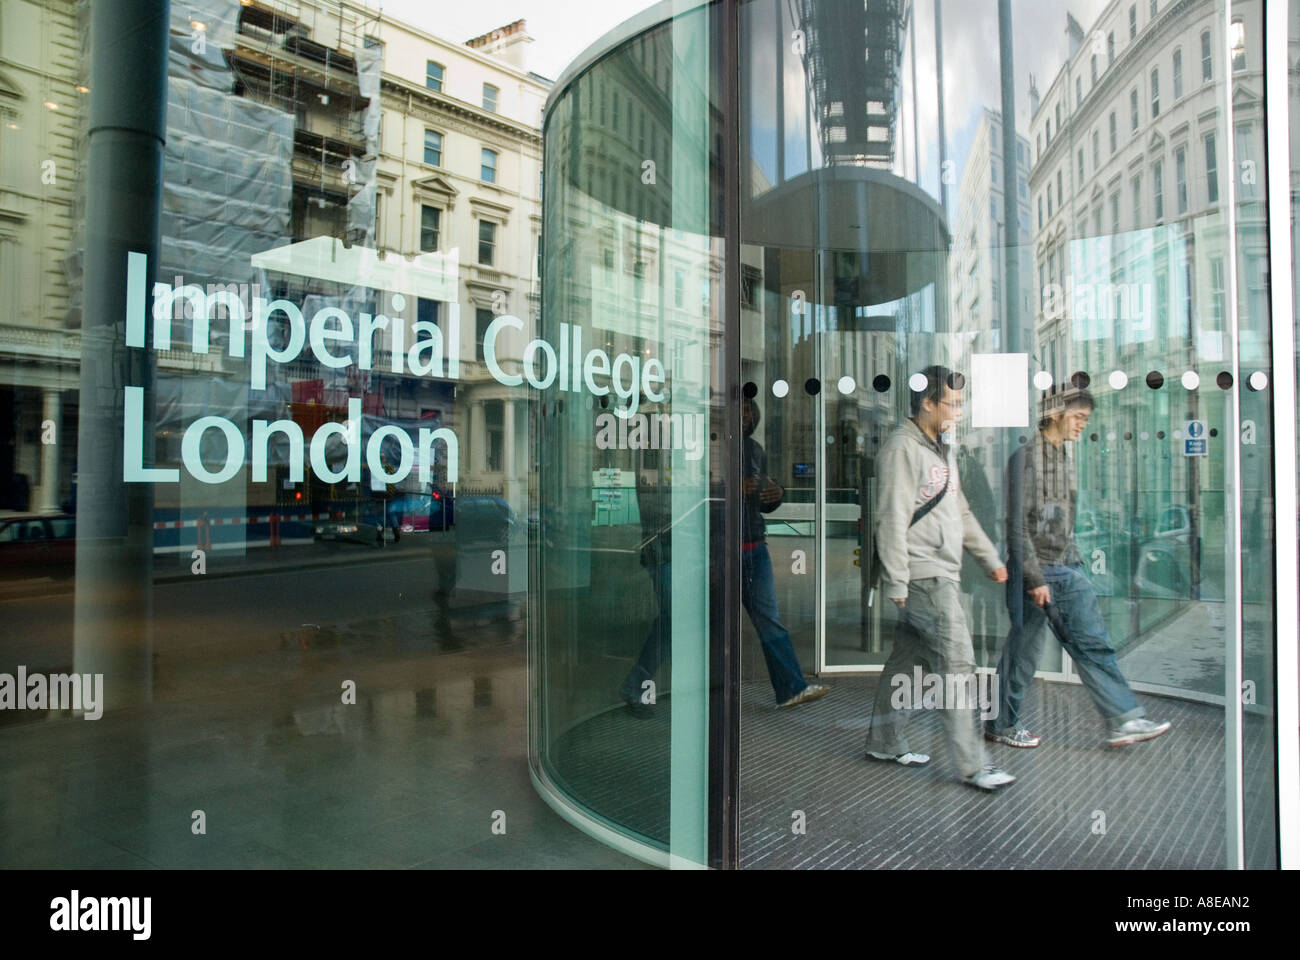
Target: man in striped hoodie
point(1048, 585)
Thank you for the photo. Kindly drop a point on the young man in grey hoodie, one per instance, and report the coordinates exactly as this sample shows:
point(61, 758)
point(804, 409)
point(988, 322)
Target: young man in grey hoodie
point(923, 523)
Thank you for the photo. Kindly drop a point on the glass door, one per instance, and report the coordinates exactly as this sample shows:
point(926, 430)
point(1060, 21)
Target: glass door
point(780, 373)
point(1075, 229)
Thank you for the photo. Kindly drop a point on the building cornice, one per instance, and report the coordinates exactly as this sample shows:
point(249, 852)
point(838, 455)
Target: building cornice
point(435, 185)
point(400, 94)
point(492, 209)
point(1171, 19)
point(368, 15)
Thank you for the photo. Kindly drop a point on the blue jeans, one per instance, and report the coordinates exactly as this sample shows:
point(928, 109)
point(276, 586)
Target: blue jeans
point(1082, 632)
point(758, 596)
point(658, 642)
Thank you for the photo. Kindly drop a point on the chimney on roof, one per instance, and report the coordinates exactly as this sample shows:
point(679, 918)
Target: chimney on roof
point(507, 43)
point(1074, 32)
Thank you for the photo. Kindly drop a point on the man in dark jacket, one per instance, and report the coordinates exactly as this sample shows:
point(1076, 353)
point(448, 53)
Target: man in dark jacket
point(762, 495)
point(758, 586)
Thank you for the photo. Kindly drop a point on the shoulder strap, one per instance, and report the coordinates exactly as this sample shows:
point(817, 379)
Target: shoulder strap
point(925, 508)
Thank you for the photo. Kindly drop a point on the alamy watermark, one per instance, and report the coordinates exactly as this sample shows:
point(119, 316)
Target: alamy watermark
point(217, 301)
point(76, 913)
point(945, 691)
point(56, 691)
point(1133, 302)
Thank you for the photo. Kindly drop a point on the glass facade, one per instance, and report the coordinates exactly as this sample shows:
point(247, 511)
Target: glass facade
point(630, 455)
point(1094, 381)
point(883, 400)
point(263, 503)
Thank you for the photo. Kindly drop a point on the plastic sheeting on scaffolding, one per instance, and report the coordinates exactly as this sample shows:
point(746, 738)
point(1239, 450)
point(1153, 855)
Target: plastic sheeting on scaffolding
point(227, 168)
point(362, 204)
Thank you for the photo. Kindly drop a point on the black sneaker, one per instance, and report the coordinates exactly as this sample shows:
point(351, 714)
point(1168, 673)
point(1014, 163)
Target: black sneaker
point(637, 709)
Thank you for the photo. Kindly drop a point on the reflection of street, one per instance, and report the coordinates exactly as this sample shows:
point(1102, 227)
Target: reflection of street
point(312, 598)
point(1186, 651)
point(289, 776)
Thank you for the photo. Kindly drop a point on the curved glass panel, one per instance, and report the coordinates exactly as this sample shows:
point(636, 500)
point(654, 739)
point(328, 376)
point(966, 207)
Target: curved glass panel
point(263, 499)
point(1006, 440)
point(624, 575)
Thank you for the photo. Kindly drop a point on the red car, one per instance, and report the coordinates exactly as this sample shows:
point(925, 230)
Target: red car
point(38, 546)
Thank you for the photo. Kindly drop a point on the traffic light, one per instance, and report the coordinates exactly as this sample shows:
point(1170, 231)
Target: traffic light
point(857, 556)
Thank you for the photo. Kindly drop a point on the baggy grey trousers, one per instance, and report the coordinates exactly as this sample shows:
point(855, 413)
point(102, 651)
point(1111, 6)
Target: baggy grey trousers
point(934, 636)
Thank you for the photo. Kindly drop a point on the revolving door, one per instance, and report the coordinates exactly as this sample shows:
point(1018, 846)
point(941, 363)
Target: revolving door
point(799, 207)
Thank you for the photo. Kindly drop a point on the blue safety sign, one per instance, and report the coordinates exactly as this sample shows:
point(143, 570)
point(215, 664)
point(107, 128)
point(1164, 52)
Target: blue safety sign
point(1195, 444)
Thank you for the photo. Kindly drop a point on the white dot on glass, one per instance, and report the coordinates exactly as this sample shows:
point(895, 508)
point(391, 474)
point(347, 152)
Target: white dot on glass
point(1118, 379)
point(399, 302)
point(1043, 380)
point(1144, 435)
point(830, 439)
point(780, 388)
point(917, 382)
point(847, 385)
point(1178, 434)
point(1190, 380)
point(1111, 436)
point(1258, 380)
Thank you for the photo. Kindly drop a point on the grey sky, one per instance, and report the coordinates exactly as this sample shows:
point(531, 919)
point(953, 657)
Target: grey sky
point(564, 28)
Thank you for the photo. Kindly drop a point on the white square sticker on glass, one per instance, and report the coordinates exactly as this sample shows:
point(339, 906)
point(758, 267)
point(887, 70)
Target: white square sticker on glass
point(999, 389)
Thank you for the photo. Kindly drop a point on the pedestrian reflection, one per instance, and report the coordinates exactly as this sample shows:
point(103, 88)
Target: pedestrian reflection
point(760, 494)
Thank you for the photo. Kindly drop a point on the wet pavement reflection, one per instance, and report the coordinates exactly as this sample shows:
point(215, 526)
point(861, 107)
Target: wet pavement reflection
point(342, 716)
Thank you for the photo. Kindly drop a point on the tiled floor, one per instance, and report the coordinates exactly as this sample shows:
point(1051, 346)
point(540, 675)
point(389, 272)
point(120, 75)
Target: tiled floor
point(1076, 804)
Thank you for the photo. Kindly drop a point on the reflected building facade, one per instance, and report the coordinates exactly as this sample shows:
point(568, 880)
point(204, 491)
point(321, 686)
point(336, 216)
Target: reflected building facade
point(42, 100)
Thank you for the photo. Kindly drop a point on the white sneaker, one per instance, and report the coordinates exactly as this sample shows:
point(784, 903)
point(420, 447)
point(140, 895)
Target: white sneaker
point(1135, 731)
point(904, 759)
point(809, 693)
point(990, 778)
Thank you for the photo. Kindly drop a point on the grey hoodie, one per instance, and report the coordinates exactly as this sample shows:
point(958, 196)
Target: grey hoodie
point(912, 470)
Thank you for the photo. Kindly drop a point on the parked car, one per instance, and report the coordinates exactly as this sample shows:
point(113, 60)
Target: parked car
point(1104, 542)
point(1175, 521)
point(38, 546)
point(486, 519)
point(334, 532)
point(1164, 569)
point(417, 512)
